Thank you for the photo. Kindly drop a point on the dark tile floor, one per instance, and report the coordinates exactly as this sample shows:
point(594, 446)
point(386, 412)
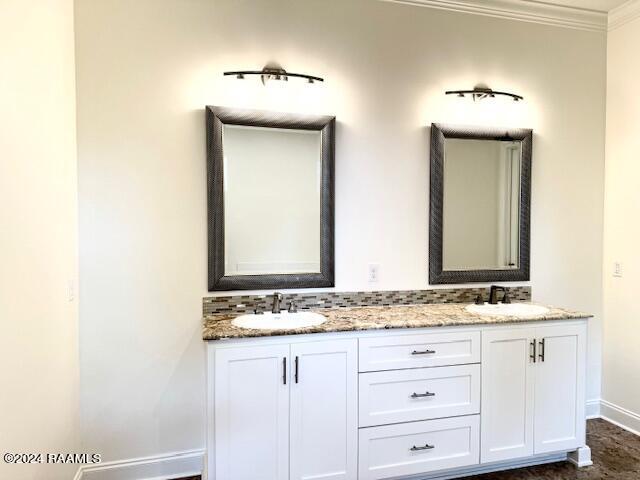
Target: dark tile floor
point(615, 453)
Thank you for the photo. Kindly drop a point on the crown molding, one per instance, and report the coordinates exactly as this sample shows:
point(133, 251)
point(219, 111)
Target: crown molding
point(625, 13)
point(525, 11)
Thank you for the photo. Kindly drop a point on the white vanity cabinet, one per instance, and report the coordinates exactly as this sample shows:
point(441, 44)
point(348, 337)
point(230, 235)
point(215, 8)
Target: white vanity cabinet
point(560, 386)
point(533, 382)
point(507, 394)
point(251, 404)
point(419, 403)
point(284, 411)
point(440, 402)
point(324, 410)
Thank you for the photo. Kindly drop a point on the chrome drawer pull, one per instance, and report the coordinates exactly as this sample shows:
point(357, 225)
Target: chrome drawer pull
point(425, 394)
point(423, 352)
point(426, 447)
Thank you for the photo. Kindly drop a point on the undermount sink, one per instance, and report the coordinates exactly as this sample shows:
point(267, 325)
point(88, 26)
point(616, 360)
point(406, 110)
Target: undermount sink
point(279, 321)
point(507, 309)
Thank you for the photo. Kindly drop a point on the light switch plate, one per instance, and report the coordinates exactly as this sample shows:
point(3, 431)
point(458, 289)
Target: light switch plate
point(617, 269)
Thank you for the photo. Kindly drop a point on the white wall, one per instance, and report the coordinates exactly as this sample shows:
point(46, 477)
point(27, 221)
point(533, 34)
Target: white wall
point(146, 69)
point(38, 235)
point(621, 377)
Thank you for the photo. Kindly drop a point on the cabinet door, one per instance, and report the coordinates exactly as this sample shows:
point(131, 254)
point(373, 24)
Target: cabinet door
point(252, 413)
point(560, 388)
point(507, 394)
point(324, 403)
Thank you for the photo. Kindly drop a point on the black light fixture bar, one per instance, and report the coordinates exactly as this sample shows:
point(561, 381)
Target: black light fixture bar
point(273, 74)
point(478, 93)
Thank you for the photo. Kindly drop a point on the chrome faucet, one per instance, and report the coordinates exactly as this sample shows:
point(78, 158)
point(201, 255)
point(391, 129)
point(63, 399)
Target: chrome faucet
point(277, 298)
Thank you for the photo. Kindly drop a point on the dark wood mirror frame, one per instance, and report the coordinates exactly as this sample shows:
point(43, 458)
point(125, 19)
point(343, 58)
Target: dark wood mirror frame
point(437, 275)
point(217, 117)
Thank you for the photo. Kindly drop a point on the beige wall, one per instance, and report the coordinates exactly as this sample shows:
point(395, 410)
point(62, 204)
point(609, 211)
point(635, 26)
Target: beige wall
point(621, 377)
point(38, 235)
point(146, 69)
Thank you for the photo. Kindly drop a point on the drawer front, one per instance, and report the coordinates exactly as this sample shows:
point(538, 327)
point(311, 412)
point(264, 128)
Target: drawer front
point(414, 351)
point(418, 394)
point(418, 447)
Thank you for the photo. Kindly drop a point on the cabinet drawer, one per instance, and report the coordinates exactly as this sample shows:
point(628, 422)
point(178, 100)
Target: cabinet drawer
point(418, 447)
point(418, 394)
point(413, 351)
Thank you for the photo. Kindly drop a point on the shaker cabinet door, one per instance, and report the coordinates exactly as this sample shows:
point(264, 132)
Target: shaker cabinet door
point(324, 410)
point(560, 388)
point(252, 413)
point(507, 394)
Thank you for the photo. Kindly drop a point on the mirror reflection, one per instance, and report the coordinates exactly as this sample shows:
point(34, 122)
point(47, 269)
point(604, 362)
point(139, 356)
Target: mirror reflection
point(481, 204)
point(272, 200)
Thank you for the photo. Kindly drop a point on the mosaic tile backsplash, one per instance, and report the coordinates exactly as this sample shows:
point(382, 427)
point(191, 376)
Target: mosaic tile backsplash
point(248, 303)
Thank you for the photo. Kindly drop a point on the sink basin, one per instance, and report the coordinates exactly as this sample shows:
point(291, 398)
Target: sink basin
point(279, 321)
point(508, 309)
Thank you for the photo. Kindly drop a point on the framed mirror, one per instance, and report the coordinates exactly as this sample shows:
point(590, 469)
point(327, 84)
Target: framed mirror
point(270, 183)
point(479, 204)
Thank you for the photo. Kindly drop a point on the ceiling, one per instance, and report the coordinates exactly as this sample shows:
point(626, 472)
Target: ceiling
point(599, 5)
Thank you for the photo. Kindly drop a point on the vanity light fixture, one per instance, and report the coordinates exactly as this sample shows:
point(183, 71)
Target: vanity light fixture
point(479, 92)
point(273, 72)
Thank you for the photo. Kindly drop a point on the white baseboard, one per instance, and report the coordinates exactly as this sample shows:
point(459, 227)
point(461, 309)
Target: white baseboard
point(593, 408)
point(619, 416)
point(158, 467)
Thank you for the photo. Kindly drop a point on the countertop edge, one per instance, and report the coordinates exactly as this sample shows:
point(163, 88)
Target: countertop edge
point(455, 317)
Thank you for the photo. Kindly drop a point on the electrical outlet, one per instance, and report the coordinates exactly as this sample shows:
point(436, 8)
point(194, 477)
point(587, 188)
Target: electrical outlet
point(374, 271)
point(617, 269)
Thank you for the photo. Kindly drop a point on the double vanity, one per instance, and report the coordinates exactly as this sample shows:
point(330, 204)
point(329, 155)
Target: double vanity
point(400, 391)
point(418, 384)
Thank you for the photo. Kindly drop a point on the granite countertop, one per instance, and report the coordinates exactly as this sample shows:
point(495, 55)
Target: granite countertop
point(217, 327)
